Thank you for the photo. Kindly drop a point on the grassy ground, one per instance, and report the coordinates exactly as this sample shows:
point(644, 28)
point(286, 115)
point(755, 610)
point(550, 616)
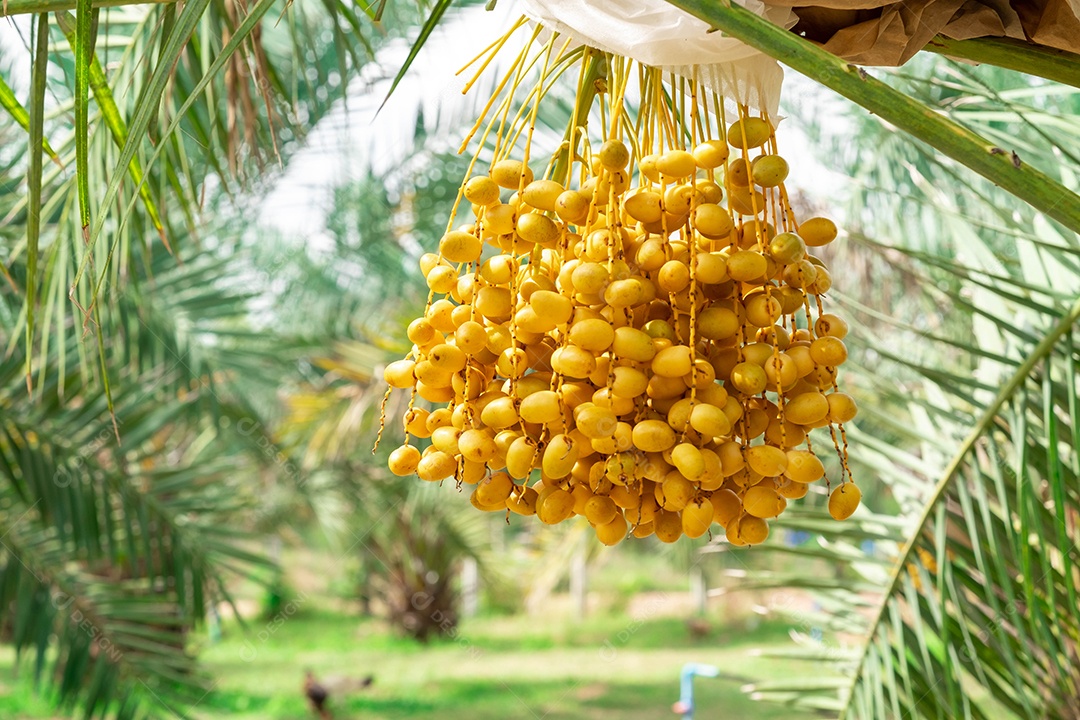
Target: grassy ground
point(496, 668)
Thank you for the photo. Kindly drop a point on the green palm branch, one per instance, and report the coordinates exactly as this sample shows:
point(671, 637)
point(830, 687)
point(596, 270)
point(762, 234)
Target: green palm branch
point(149, 111)
point(124, 514)
point(409, 537)
point(124, 519)
point(965, 605)
point(110, 553)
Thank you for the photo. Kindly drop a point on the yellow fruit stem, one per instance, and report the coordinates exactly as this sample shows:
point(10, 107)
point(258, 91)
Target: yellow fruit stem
point(518, 124)
point(570, 141)
point(382, 420)
point(491, 51)
point(841, 454)
point(504, 110)
point(510, 72)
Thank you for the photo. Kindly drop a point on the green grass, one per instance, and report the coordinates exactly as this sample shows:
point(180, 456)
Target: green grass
point(495, 668)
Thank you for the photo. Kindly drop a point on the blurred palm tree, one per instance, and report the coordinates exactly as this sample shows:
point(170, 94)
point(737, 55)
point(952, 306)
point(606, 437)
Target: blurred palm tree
point(111, 552)
point(165, 110)
point(410, 538)
point(136, 441)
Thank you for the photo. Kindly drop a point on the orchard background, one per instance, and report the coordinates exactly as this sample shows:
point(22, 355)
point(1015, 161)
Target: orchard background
point(211, 220)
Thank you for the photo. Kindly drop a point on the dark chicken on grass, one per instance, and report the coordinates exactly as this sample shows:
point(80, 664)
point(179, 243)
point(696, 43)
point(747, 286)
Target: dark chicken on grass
point(318, 693)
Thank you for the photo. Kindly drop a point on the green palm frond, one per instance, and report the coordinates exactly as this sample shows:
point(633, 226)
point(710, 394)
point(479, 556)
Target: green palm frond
point(110, 632)
point(137, 537)
point(975, 586)
point(956, 596)
point(178, 115)
point(112, 552)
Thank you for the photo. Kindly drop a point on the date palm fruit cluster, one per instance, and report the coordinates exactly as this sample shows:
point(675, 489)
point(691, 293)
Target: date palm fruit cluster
point(635, 336)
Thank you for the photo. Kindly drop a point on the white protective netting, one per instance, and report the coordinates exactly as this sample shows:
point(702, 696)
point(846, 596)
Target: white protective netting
point(654, 33)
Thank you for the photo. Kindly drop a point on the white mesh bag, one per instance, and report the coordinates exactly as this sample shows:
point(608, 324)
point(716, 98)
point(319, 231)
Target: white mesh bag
point(658, 34)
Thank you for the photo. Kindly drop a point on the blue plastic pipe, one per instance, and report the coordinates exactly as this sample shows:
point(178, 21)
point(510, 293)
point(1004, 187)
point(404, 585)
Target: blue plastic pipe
point(685, 705)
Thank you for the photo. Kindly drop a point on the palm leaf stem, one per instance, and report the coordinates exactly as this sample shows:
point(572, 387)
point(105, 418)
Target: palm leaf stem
point(998, 165)
point(1049, 63)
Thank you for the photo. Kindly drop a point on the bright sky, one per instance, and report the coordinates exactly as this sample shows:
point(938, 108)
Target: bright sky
point(353, 137)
